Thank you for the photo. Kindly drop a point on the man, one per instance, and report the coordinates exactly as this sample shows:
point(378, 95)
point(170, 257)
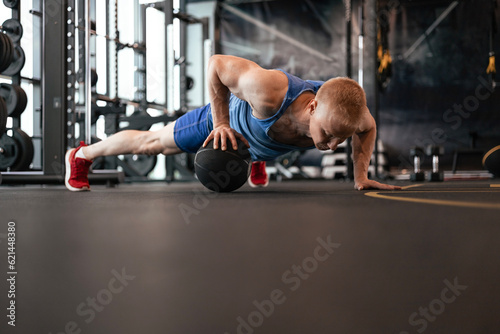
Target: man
point(271, 111)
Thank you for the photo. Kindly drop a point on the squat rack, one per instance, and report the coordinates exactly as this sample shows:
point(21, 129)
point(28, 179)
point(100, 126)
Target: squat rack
point(62, 81)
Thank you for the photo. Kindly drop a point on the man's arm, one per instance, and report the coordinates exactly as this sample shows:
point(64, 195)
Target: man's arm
point(262, 89)
point(363, 142)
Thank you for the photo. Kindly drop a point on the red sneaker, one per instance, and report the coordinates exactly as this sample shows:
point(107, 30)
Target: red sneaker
point(77, 171)
point(258, 176)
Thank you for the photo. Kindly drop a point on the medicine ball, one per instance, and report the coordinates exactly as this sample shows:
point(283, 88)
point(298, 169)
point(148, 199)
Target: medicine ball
point(222, 171)
point(491, 161)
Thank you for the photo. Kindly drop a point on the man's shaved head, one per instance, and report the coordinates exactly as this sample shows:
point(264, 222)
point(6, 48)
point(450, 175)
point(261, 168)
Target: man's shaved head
point(343, 99)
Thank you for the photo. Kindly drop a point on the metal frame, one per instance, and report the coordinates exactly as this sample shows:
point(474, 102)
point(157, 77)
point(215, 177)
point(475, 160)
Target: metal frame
point(348, 18)
point(54, 101)
point(172, 60)
point(376, 112)
point(37, 89)
point(140, 58)
point(182, 63)
point(58, 91)
point(168, 10)
point(16, 79)
point(54, 74)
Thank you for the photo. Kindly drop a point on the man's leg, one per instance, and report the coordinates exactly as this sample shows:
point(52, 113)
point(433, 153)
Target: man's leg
point(186, 134)
point(135, 142)
point(79, 160)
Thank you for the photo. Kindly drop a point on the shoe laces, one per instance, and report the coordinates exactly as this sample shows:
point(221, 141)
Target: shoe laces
point(81, 168)
point(258, 169)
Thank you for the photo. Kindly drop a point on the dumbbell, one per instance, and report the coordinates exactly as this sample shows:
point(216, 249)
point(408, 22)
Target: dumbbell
point(435, 151)
point(416, 153)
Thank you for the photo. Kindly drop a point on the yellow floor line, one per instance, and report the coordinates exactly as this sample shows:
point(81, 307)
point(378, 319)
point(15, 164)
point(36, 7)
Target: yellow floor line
point(431, 191)
point(411, 186)
point(436, 201)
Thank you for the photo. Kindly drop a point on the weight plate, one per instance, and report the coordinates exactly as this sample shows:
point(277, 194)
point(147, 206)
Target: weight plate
point(22, 101)
point(26, 150)
point(9, 55)
point(9, 151)
point(10, 3)
point(4, 49)
point(17, 65)
point(185, 160)
point(17, 149)
point(3, 116)
point(104, 163)
point(14, 29)
point(93, 77)
point(10, 96)
point(142, 165)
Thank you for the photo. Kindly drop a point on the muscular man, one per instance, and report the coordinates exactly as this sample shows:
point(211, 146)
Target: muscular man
point(272, 111)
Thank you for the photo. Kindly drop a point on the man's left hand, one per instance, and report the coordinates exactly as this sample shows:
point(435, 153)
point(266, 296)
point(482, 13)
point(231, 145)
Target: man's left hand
point(371, 184)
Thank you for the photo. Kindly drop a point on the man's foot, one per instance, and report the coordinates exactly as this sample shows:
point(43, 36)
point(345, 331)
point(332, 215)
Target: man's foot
point(258, 176)
point(77, 171)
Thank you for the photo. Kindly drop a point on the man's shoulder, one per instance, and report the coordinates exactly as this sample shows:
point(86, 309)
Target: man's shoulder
point(267, 96)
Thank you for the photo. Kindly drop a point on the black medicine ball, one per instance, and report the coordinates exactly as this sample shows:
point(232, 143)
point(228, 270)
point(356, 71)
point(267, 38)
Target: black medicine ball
point(223, 171)
point(491, 161)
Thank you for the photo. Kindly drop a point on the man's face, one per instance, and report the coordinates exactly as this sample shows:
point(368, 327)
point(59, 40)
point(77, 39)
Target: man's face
point(326, 132)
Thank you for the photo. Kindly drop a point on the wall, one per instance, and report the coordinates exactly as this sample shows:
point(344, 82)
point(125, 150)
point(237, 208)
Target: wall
point(438, 94)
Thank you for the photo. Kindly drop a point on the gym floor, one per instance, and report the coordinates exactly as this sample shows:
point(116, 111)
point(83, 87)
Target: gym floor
point(296, 257)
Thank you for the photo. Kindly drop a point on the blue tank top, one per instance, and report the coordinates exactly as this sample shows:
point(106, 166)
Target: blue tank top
point(263, 147)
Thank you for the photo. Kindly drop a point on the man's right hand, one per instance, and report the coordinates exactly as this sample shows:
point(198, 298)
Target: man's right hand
point(224, 133)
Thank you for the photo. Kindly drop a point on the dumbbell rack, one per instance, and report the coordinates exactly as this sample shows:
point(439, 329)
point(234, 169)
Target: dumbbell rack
point(56, 111)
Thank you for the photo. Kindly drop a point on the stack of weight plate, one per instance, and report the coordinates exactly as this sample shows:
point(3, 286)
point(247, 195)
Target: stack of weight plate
point(15, 99)
point(12, 56)
point(16, 150)
point(16, 147)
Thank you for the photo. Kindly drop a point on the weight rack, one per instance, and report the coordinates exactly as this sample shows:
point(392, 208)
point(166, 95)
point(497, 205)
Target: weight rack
point(56, 105)
point(15, 145)
point(64, 77)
